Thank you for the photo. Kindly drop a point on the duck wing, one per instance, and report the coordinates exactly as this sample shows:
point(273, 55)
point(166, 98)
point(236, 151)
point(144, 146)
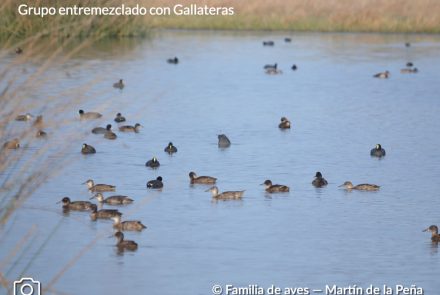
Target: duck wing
point(367, 186)
point(231, 195)
point(126, 128)
point(117, 198)
point(110, 211)
point(206, 179)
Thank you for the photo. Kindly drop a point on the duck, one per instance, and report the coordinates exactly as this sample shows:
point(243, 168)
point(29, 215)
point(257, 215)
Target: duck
point(18, 50)
point(119, 118)
point(103, 213)
point(382, 75)
point(223, 141)
point(38, 121)
point(231, 195)
point(407, 44)
point(89, 115)
point(268, 66)
point(155, 183)
point(201, 179)
point(125, 244)
point(87, 149)
point(434, 230)
point(134, 225)
point(129, 128)
point(99, 187)
point(378, 151)
point(110, 135)
point(25, 117)
point(294, 67)
point(76, 205)
point(41, 134)
point(409, 71)
point(170, 148)
point(153, 163)
point(173, 61)
point(285, 123)
point(119, 84)
point(409, 64)
point(362, 187)
point(12, 144)
point(287, 40)
point(275, 188)
point(112, 200)
point(319, 181)
point(102, 130)
point(273, 72)
point(268, 43)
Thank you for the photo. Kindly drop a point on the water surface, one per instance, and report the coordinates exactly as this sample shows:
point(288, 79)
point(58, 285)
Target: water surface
point(307, 238)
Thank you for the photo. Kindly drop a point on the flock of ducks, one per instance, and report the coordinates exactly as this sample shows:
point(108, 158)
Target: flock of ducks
point(38, 122)
point(409, 69)
point(119, 200)
point(107, 130)
point(272, 69)
point(223, 142)
point(112, 214)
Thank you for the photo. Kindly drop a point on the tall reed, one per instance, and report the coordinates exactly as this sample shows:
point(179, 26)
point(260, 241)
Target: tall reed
point(46, 45)
point(14, 26)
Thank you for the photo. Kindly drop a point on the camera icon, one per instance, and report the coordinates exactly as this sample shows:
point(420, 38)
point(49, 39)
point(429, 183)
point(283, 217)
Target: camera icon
point(27, 286)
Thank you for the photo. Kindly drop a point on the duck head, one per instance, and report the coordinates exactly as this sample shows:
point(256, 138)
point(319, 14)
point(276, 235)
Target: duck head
point(347, 185)
point(213, 190)
point(433, 229)
point(267, 183)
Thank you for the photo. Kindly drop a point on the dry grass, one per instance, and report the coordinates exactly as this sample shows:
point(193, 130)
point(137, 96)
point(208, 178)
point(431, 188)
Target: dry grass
point(296, 15)
point(17, 27)
point(316, 15)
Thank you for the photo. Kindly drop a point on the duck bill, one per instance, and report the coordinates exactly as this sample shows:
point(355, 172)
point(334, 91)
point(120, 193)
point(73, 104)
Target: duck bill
point(426, 229)
point(92, 197)
point(342, 185)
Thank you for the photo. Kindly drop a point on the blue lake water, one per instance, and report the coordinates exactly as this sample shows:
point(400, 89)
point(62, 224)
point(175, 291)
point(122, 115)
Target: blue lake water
point(306, 238)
